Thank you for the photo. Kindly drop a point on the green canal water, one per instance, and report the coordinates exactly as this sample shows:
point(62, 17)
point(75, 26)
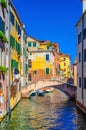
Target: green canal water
point(53, 111)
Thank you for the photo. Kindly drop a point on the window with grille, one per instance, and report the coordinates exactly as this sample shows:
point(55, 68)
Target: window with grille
point(29, 77)
point(29, 63)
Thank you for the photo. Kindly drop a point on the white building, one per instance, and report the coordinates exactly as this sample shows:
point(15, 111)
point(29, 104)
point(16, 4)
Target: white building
point(81, 59)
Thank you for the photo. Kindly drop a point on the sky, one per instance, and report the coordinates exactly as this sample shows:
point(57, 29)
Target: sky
point(53, 20)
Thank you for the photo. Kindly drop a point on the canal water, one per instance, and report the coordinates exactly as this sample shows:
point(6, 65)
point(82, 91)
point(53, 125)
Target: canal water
point(53, 111)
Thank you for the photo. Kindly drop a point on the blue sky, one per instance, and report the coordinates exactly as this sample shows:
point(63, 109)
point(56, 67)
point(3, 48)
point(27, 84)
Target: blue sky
point(52, 20)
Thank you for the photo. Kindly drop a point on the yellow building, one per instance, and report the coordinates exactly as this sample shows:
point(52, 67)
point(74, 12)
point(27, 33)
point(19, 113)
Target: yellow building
point(64, 65)
point(15, 55)
point(41, 60)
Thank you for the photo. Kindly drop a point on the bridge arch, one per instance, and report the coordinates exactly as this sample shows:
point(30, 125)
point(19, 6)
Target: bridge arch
point(68, 89)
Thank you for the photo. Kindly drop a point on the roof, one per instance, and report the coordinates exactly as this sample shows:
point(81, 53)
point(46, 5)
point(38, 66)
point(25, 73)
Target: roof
point(14, 9)
point(16, 12)
point(33, 38)
point(64, 55)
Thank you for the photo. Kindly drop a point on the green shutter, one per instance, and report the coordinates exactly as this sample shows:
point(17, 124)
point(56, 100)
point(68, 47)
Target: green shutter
point(47, 70)
point(14, 64)
point(34, 44)
point(29, 44)
point(12, 42)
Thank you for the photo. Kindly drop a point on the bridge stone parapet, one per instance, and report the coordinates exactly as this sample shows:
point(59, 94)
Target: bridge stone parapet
point(68, 89)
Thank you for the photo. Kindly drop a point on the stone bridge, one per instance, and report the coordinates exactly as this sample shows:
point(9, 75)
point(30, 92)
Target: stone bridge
point(68, 89)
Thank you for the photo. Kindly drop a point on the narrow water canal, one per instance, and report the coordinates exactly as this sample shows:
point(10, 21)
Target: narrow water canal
point(51, 112)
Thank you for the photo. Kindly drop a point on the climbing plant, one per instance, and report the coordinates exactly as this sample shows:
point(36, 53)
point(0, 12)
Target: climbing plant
point(3, 69)
point(3, 37)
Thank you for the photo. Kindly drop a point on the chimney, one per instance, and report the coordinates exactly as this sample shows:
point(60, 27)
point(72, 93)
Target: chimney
point(83, 5)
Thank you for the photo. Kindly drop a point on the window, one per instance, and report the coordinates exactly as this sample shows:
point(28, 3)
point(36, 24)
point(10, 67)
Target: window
point(85, 82)
point(79, 57)
point(29, 63)
point(35, 72)
point(85, 55)
point(47, 57)
point(16, 26)
point(64, 70)
point(47, 70)
point(3, 12)
point(12, 42)
point(80, 82)
point(79, 38)
point(84, 33)
point(14, 64)
point(34, 44)
point(2, 25)
point(19, 30)
point(29, 77)
point(64, 59)
point(64, 64)
point(11, 17)
point(26, 68)
point(48, 47)
point(29, 44)
point(18, 48)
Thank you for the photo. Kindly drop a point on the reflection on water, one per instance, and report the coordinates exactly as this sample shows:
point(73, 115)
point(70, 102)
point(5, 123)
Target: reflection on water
point(51, 112)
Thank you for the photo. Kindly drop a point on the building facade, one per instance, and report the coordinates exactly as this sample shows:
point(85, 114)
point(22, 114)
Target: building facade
point(41, 59)
point(4, 58)
point(13, 57)
point(65, 70)
point(81, 59)
point(24, 59)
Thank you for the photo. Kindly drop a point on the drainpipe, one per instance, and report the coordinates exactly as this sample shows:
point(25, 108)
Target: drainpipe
point(9, 87)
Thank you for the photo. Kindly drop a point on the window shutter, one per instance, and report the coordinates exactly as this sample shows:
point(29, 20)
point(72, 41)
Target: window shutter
point(29, 44)
point(47, 70)
point(47, 57)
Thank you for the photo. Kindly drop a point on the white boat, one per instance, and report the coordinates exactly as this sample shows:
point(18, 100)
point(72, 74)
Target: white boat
point(40, 92)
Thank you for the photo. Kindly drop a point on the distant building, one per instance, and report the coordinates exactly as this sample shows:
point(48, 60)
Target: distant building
point(75, 72)
point(81, 59)
point(64, 65)
point(42, 59)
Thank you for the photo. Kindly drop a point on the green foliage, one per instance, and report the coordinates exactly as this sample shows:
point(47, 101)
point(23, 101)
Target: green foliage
point(50, 44)
point(3, 69)
point(3, 37)
point(4, 3)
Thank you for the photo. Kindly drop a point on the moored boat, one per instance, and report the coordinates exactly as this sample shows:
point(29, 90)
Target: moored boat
point(32, 94)
point(40, 93)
